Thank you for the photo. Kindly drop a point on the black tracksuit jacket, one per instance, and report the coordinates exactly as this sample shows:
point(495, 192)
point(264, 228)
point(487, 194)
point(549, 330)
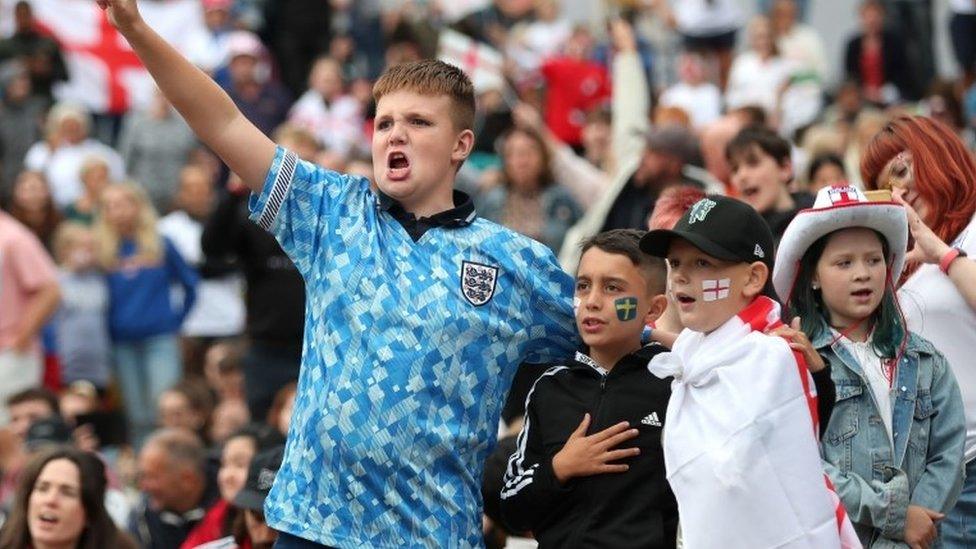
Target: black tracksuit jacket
point(620, 510)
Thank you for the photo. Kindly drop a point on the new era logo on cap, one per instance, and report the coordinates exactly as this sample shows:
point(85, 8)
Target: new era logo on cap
point(758, 252)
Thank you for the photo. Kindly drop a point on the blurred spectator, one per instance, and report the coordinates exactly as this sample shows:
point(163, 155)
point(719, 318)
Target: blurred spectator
point(707, 27)
point(22, 408)
point(250, 84)
point(21, 114)
point(761, 172)
point(260, 477)
point(209, 50)
point(325, 110)
point(154, 144)
point(235, 458)
point(228, 416)
point(78, 399)
point(574, 85)
point(95, 178)
point(911, 20)
point(222, 370)
point(218, 311)
point(32, 205)
point(701, 99)
point(298, 31)
point(39, 52)
point(645, 162)
point(962, 33)
point(528, 201)
point(279, 415)
point(274, 298)
point(65, 147)
point(759, 75)
point(535, 41)
point(301, 142)
point(825, 170)
point(143, 318)
point(492, 24)
point(186, 405)
point(60, 502)
point(29, 295)
point(176, 490)
point(867, 124)
point(81, 323)
point(355, 65)
point(797, 41)
point(877, 60)
point(47, 432)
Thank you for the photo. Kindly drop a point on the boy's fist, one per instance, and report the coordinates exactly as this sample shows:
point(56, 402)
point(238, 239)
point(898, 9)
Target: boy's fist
point(584, 456)
point(123, 14)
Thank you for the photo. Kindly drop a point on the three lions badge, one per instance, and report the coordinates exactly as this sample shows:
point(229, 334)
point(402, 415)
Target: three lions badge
point(478, 282)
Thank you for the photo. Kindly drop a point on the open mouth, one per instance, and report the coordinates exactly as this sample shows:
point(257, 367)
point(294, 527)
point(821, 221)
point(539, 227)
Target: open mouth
point(862, 294)
point(48, 518)
point(398, 165)
point(684, 299)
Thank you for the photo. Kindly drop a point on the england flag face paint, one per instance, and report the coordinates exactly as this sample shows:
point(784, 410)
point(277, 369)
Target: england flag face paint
point(714, 290)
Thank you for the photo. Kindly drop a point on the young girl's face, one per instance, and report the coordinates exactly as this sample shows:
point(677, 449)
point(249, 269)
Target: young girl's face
point(234, 461)
point(31, 192)
point(851, 275)
point(121, 210)
point(81, 255)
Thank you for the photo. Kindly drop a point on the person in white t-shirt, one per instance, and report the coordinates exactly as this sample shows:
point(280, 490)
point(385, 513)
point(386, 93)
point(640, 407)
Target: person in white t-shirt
point(929, 169)
point(335, 118)
point(701, 99)
point(759, 75)
point(219, 308)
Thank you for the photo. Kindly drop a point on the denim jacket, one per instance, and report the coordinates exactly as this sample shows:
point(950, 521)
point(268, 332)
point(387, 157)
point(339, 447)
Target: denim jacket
point(876, 480)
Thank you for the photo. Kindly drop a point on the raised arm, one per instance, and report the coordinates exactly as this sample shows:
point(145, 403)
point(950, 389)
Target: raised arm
point(205, 107)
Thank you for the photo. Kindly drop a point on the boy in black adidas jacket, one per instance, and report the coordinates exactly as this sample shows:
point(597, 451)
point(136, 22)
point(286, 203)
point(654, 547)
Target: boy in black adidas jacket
point(588, 470)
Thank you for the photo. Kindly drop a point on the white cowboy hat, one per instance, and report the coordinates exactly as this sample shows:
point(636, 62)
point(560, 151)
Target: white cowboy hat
point(839, 207)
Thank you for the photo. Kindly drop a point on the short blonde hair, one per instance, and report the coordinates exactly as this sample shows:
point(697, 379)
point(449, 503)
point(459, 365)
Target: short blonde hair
point(432, 77)
point(65, 237)
point(149, 243)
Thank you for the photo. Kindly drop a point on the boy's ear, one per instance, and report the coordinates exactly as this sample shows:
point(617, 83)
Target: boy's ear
point(463, 146)
point(758, 275)
point(658, 304)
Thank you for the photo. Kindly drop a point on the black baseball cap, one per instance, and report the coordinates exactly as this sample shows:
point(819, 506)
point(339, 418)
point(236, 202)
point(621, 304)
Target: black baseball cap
point(51, 430)
point(722, 227)
point(260, 476)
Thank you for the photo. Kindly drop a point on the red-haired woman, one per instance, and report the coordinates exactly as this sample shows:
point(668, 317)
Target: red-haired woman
point(930, 171)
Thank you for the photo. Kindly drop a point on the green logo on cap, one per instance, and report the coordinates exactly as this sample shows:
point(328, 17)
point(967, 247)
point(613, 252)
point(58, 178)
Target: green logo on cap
point(700, 210)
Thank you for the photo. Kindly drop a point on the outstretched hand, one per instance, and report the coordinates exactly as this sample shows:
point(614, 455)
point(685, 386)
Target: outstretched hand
point(929, 248)
point(123, 14)
point(584, 455)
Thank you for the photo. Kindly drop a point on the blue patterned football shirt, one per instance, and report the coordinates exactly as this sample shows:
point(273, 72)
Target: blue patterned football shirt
point(409, 351)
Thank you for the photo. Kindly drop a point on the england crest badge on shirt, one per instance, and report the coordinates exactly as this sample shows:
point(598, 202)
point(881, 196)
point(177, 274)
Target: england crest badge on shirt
point(478, 282)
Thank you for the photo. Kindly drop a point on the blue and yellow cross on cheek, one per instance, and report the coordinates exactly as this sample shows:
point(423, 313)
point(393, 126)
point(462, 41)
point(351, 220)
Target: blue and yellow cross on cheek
point(626, 308)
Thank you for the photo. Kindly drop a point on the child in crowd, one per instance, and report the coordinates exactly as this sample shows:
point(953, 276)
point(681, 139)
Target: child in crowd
point(95, 177)
point(81, 324)
point(740, 442)
point(599, 481)
point(894, 445)
point(418, 313)
point(235, 458)
point(251, 499)
point(761, 174)
point(143, 319)
point(186, 405)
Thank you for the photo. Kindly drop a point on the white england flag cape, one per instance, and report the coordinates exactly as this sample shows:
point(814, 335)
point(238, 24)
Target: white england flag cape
point(740, 441)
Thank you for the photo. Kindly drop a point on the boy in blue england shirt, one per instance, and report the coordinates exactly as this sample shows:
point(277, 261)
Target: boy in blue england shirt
point(418, 312)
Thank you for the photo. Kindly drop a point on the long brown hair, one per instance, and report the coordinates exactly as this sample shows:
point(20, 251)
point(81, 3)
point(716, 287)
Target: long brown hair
point(99, 531)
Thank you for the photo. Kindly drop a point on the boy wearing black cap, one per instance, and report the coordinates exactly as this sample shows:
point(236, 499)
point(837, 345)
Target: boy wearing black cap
point(740, 442)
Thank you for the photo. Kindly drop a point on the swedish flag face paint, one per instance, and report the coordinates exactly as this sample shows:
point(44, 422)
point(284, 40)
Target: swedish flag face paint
point(626, 308)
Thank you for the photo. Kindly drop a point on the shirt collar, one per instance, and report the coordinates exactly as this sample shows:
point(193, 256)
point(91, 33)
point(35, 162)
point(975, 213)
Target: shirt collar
point(461, 215)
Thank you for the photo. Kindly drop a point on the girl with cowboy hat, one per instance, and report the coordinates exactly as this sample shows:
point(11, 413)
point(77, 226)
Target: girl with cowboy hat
point(894, 445)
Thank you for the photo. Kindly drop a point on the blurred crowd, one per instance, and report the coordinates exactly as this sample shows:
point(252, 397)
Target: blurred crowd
point(145, 321)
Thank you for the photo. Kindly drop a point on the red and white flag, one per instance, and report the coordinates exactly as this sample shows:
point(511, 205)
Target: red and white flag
point(481, 62)
point(740, 440)
point(105, 74)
